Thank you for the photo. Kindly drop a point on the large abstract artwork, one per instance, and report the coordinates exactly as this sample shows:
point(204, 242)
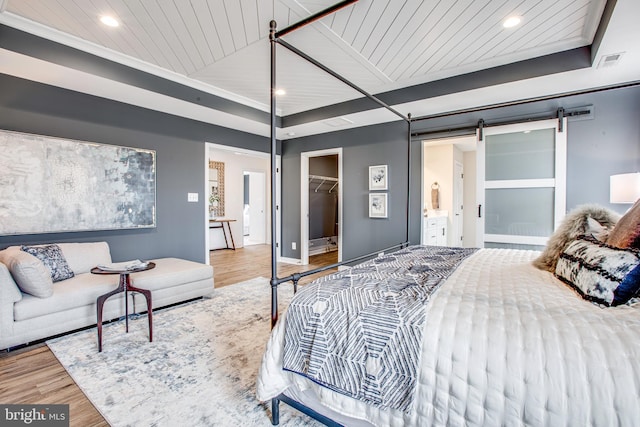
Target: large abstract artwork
point(52, 185)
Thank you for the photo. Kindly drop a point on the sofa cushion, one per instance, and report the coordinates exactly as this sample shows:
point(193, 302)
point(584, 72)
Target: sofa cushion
point(29, 273)
point(84, 289)
point(82, 257)
point(81, 290)
point(170, 272)
point(53, 259)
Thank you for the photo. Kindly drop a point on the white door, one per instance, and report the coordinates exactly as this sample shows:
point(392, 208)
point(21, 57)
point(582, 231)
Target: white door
point(257, 208)
point(521, 184)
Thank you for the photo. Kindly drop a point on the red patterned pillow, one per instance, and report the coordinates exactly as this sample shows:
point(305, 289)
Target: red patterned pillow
point(626, 233)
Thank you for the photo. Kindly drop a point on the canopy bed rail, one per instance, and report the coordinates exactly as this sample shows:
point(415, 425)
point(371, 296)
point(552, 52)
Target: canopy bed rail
point(274, 38)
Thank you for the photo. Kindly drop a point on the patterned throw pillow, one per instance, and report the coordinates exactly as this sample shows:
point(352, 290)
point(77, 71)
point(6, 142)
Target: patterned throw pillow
point(626, 233)
point(599, 272)
point(53, 259)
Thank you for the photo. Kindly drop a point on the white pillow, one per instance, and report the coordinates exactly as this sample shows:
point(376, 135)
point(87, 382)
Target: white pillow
point(29, 273)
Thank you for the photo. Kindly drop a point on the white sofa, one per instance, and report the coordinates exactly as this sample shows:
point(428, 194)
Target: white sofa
point(70, 304)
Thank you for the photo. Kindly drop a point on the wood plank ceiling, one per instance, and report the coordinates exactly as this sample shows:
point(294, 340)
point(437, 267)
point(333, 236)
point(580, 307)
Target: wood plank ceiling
point(378, 44)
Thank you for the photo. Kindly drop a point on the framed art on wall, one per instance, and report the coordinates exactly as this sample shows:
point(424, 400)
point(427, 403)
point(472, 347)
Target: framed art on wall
point(51, 185)
point(378, 177)
point(377, 205)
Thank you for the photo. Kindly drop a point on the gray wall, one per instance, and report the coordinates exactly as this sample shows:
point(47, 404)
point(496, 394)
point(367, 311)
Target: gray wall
point(606, 144)
point(180, 149)
point(363, 147)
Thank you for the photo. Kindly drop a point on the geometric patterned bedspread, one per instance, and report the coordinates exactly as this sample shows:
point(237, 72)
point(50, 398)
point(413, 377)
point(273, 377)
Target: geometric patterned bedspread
point(359, 331)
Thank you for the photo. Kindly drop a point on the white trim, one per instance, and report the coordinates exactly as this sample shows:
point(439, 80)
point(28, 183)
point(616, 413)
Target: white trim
point(561, 175)
point(520, 183)
point(480, 182)
point(515, 239)
point(207, 243)
point(285, 260)
point(304, 200)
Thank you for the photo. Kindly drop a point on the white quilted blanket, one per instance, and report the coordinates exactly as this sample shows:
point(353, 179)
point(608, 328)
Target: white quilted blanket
point(505, 344)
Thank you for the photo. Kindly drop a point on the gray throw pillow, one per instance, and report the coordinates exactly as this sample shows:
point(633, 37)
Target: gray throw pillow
point(52, 257)
point(29, 273)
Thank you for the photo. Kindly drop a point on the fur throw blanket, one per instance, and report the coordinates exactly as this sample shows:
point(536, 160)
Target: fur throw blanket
point(584, 219)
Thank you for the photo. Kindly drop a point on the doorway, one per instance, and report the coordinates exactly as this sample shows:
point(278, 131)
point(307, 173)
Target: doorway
point(445, 190)
point(237, 161)
point(321, 203)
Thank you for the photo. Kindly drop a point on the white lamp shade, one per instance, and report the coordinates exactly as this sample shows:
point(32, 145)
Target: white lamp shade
point(624, 188)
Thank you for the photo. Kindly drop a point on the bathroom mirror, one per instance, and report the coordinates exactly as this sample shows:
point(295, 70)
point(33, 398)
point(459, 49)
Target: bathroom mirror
point(216, 189)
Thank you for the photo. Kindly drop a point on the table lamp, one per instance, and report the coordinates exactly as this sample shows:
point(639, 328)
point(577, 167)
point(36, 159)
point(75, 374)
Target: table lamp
point(624, 188)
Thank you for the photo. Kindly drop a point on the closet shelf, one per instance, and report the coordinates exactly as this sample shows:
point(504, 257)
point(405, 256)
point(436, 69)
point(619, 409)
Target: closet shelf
point(323, 179)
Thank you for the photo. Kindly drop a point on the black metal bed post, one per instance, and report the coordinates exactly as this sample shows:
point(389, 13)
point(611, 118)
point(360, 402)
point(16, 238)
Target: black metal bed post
point(408, 174)
point(274, 255)
point(275, 403)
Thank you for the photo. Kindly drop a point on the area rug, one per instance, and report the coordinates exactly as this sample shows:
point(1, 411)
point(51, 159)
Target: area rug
point(200, 369)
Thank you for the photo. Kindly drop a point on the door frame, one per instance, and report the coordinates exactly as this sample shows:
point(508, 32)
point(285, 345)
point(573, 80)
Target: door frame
point(457, 222)
point(304, 200)
point(211, 145)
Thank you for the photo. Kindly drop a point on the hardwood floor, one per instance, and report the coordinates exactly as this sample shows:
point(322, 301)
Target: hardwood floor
point(33, 375)
point(255, 261)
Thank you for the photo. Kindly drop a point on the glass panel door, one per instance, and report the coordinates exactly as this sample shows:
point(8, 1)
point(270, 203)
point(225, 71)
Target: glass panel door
point(521, 185)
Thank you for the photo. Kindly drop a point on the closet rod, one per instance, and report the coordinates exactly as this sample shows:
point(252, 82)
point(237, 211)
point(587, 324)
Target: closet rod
point(526, 101)
point(325, 178)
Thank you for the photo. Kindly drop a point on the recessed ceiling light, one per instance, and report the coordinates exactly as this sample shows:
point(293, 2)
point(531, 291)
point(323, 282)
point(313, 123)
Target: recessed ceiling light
point(512, 21)
point(280, 92)
point(291, 133)
point(109, 21)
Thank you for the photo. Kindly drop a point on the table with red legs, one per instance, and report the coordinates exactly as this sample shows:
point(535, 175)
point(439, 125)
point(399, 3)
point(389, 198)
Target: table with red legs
point(125, 285)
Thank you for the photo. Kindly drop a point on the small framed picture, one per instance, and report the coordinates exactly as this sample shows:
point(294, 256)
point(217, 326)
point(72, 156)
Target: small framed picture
point(377, 205)
point(378, 177)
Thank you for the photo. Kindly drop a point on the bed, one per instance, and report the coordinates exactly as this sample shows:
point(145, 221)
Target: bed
point(498, 341)
point(504, 343)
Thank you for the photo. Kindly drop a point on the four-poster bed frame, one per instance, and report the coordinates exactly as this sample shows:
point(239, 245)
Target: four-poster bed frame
point(496, 325)
point(275, 38)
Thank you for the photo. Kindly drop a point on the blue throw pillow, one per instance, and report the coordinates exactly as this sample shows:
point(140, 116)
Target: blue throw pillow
point(628, 288)
point(53, 258)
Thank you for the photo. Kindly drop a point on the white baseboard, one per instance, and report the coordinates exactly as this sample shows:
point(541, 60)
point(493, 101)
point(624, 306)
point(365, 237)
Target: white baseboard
point(290, 260)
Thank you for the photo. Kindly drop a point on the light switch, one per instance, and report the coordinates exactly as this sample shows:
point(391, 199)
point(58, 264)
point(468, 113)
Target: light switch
point(192, 197)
